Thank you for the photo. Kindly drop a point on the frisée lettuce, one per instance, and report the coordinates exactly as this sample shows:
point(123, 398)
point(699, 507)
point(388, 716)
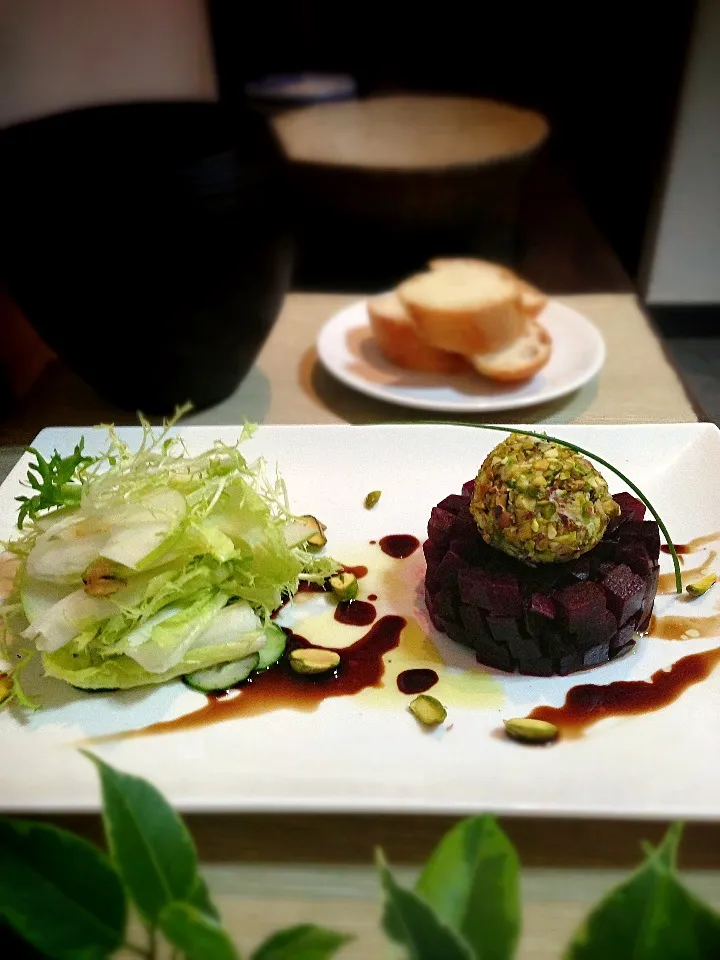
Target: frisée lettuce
point(141, 565)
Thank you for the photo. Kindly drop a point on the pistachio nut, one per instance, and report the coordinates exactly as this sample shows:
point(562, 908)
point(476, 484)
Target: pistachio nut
point(528, 730)
point(344, 586)
point(101, 579)
point(317, 540)
point(372, 498)
point(428, 710)
point(6, 686)
point(313, 660)
point(540, 503)
point(701, 586)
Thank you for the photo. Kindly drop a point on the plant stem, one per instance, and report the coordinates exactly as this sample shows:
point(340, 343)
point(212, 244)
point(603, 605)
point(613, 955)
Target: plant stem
point(71, 492)
point(592, 456)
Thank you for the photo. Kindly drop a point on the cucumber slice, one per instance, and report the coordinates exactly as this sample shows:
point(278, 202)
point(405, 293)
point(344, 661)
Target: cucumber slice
point(216, 679)
point(274, 647)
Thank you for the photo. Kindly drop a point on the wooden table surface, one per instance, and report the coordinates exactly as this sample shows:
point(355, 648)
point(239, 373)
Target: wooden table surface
point(272, 870)
point(288, 385)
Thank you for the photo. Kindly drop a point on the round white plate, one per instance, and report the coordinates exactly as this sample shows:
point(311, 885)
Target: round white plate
point(347, 349)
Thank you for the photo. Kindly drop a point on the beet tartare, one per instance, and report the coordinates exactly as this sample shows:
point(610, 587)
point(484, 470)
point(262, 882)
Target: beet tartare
point(554, 611)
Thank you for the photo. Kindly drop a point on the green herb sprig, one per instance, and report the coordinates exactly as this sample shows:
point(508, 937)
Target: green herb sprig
point(56, 481)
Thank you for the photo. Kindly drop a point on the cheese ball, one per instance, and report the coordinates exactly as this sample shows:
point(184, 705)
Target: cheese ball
point(540, 502)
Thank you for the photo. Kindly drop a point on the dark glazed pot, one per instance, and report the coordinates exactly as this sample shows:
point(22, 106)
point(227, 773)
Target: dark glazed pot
point(147, 244)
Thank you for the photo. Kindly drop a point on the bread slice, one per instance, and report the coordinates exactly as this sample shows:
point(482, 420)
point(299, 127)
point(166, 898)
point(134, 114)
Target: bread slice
point(520, 360)
point(533, 301)
point(464, 309)
point(397, 338)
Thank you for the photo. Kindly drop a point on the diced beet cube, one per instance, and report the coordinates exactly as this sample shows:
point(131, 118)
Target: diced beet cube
point(625, 592)
point(565, 657)
point(432, 580)
point(596, 655)
point(523, 647)
point(494, 655)
point(631, 508)
point(647, 531)
point(651, 582)
point(651, 585)
point(449, 569)
point(603, 552)
point(602, 567)
point(466, 527)
point(623, 638)
point(621, 651)
point(462, 544)
point(455, 504)
point(542, 606)
point(472, 619)
point(429, 599)
point(446, 605)
point(540, 616)
point(433, 552)
point(503, 629)
point(568, 662)
point(580, 568)
point(578, 604)
point(457, 632)
point(634, 554)
point(504, 597)
point(596, 630)
point(473, 583)
point(468, 488)
point(542, 667)
point(545, 577)
point(436, 620)
point(440, 525)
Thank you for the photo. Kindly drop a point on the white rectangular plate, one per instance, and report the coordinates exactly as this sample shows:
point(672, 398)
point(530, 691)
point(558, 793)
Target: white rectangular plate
point(367, 753)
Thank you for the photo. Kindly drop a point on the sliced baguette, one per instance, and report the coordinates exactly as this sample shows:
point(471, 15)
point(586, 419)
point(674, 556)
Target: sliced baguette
point(520, 360)
point(397, 338)
point(533, 301)
point(464, 309)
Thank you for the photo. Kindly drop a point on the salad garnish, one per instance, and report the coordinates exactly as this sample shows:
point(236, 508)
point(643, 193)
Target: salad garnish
point(140, 565)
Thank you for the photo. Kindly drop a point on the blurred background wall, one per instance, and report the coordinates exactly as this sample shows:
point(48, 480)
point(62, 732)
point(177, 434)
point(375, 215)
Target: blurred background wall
point(683, 264)
point(606, 75)
point(56, 54)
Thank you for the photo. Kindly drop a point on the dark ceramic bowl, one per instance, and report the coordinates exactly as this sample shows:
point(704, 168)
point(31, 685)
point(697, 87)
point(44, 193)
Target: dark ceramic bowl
point(147, 244)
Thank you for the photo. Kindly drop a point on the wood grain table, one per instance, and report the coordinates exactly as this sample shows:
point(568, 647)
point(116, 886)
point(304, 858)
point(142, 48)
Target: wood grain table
point(273, 870)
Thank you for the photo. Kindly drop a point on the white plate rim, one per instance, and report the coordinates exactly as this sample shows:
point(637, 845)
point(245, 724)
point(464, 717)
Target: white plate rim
point(697, 810)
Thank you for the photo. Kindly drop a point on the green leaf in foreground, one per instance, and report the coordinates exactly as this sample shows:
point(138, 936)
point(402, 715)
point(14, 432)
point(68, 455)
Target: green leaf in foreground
point(304, 942)
point(197, 936)
point(59, 892)
point(200, 897)
point(471, 880)
point(650, 917)
point(148, 842)
point(411, 922)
